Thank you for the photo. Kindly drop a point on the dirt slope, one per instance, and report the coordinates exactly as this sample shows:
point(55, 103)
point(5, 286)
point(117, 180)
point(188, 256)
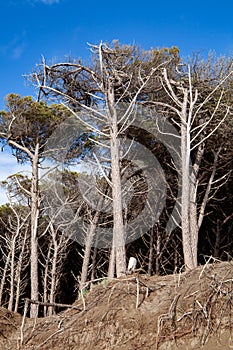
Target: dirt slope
point(192, 310)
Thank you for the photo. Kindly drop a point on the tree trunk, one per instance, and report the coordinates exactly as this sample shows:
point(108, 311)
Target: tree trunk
point(34, 226)
point(217, 240)
point(151, 252)
point(112, 263)
point(188, 211)
point(193, 217)
point(118, 224)
point(88, 246)
point(45, 279)
point(93, 264)
point(90, 240)
point(19, 271)
point(158, 250)
point(54, 271)
point(12, 270)
point(3, 276)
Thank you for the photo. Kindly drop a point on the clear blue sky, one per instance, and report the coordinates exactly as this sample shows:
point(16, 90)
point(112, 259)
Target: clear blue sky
point(56, 28)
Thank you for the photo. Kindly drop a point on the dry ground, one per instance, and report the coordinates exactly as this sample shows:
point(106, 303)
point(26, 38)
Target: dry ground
point(192, 310)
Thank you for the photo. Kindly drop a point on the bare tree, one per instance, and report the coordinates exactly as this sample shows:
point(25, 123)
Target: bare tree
point(198, 117)
point(106, 85)
point(53, 257)
point(93, 94)
point(15, 253)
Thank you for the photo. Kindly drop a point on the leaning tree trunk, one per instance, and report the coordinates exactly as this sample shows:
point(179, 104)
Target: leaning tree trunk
point(90, 240)
point(87, 253)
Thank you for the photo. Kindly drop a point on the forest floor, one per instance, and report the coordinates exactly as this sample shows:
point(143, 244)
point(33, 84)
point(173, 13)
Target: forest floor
point(191, 310)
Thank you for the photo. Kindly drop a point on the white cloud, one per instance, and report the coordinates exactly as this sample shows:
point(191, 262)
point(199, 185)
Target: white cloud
point(47, 2)
point(50, 2)
point(15, 47)
point(32, 2)
point(9, 166)
point(3, 197)
point(18, 51)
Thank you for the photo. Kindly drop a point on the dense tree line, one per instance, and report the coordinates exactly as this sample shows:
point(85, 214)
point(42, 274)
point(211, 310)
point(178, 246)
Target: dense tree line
point(40, 251)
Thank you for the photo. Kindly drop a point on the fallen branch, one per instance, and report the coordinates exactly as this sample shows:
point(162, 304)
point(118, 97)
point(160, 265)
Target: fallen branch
point(30, 301)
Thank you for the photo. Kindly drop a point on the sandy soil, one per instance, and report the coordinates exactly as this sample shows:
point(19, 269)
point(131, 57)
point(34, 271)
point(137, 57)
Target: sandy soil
point(192, 310)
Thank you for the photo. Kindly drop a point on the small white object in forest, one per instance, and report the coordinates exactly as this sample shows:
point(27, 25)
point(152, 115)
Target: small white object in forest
point(132, 264)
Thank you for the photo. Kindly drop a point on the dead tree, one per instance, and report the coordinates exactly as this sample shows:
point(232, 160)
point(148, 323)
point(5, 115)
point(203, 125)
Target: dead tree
point(93, 96)
point(186, 105)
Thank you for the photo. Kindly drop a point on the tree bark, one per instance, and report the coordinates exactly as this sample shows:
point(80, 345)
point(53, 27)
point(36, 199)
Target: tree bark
point(3, 279)
point(112, 263)
point(118, 224)
point(19, 271)
point(87, 253)
point(12, 270)
point(151, 252)
point(34, 226)
point(188, 209)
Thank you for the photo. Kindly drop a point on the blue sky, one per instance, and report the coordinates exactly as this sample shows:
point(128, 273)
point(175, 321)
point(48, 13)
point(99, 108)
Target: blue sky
point(57, 28)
